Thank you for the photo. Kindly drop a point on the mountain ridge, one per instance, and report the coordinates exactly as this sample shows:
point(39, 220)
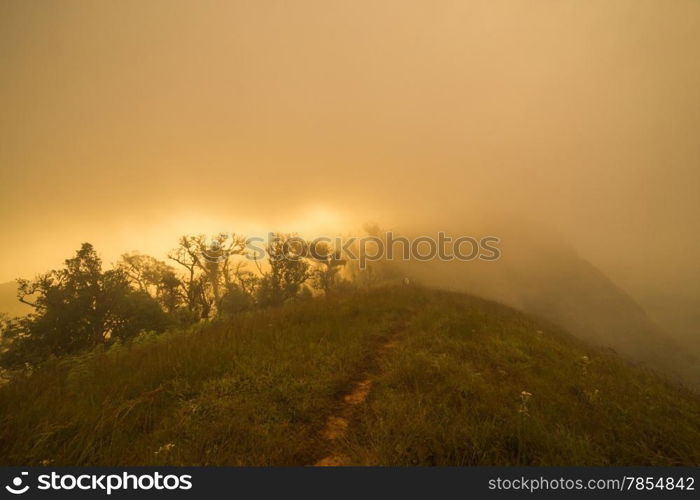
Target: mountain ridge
point(468, 381)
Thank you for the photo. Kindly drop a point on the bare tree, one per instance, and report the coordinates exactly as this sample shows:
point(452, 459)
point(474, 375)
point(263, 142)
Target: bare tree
point(208, 268)
point(154, 277)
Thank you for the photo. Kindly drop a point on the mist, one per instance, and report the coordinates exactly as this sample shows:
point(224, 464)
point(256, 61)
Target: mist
point(572, 122)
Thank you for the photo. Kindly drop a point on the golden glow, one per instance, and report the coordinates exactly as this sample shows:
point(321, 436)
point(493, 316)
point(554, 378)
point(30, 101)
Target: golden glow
point(127, 124)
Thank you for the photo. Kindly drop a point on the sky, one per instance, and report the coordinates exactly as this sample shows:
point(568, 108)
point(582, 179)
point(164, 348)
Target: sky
point(129, 123)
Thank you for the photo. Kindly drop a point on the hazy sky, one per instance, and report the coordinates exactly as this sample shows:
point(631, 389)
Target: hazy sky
point(128, 123)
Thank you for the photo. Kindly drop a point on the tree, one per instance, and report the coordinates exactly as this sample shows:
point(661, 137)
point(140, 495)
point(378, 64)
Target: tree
point(329, 264)
point(154, 277)
point(288, 270)
point(235, 299)
point(208, 269)
point(75, 308)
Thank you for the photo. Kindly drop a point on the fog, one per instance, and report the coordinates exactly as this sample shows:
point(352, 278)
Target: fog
point(127, 124)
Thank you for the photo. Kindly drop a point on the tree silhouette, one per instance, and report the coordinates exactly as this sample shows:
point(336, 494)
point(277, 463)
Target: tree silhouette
point(75, 308)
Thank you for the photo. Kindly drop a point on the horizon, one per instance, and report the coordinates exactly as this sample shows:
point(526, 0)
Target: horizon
point(597, 104)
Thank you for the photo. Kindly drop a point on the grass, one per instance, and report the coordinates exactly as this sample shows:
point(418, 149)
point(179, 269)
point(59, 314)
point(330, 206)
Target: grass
point(452, 394)
point(256, 389)
point(252, 390)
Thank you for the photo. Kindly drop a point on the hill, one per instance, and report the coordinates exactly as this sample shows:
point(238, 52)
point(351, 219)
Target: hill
point(391, 376)
point(554, 282)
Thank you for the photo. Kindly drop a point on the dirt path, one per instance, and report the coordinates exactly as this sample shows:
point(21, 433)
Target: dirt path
point(337, 425)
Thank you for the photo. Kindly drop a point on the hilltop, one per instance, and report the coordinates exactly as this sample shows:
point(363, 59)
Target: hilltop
point(409, 375)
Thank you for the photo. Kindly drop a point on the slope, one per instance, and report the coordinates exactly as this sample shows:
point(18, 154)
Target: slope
point(260, 387)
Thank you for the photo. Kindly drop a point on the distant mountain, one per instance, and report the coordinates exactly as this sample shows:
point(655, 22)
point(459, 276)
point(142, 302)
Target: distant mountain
point(8, 300)
point(551, 280)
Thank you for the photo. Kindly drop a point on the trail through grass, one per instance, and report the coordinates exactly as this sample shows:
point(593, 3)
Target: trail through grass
point(252, 390)
point(259, 389)
point(477, 383)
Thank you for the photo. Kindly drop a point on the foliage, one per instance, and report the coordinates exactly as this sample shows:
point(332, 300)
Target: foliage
point(288, 270)
point(75, 308)
point(328, 265)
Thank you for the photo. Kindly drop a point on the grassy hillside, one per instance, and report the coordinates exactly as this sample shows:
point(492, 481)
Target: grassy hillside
point(567, 290)
point(258, 389)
